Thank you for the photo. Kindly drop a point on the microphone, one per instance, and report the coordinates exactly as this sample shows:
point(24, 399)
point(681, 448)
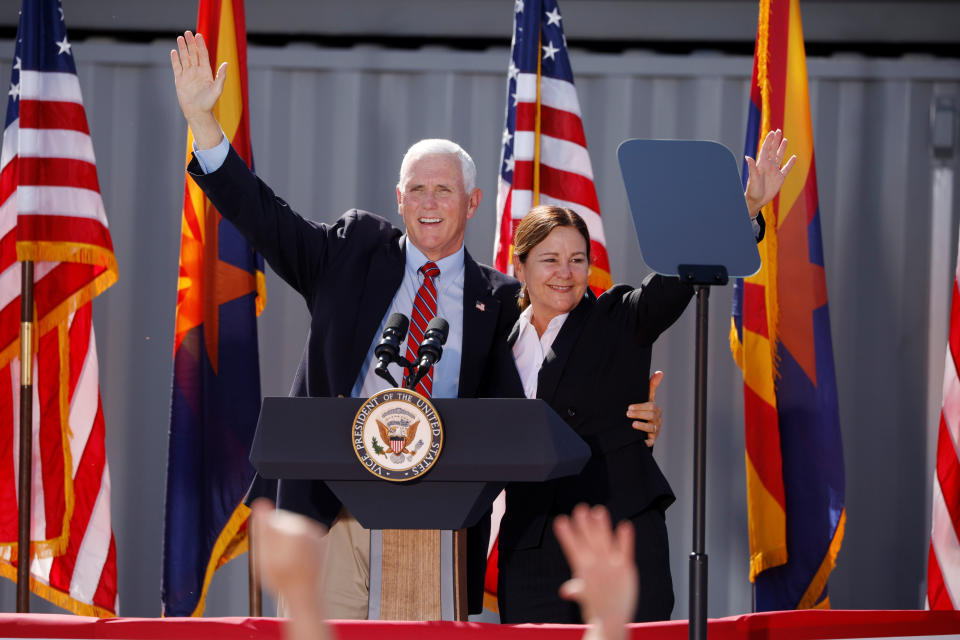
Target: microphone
point(388, 350)
point(430, 350)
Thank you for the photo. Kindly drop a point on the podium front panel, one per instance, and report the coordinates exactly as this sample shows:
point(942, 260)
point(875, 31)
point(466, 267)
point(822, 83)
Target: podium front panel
point(487, 443)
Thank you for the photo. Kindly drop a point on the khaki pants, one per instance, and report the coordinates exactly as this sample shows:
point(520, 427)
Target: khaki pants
point(346, 569)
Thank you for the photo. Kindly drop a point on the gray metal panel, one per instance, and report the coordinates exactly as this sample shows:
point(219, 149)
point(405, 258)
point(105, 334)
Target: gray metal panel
point(329, 128)
point(376, 574)
point(841, 21)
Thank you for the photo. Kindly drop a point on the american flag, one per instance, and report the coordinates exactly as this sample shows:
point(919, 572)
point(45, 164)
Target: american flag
point(544, 158)
point(943, 564)
point(51, 212)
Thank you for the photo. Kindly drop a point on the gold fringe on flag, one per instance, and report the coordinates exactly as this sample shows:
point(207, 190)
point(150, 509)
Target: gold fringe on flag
point(809, 599)
point(231, 543)
point(769, 247)
point(57, 597)
point(57, 546)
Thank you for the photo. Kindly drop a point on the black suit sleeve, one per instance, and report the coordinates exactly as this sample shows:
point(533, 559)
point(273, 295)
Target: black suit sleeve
point(762, 224)
point(658, 303)
point(297, 249)
point(661, 300)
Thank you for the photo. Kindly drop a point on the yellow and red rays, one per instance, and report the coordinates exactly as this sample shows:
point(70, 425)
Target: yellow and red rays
point(205, 282)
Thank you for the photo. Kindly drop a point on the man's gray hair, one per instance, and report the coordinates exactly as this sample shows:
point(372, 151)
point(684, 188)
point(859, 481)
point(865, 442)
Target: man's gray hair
point(439, 146)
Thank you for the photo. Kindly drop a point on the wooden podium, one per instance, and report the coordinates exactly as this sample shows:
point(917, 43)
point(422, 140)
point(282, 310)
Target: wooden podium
point(418, 545)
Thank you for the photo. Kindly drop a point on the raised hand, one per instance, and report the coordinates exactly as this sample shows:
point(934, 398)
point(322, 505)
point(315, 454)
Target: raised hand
point(648, 416)
point(197, 88)
point(288, 550)
point(765, 175)
point(604, 581)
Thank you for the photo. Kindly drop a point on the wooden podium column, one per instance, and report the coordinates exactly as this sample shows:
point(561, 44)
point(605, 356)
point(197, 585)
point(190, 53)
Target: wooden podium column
point(411, 576)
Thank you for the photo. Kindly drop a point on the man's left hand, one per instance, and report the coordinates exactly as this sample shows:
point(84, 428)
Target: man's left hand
point(648, 416)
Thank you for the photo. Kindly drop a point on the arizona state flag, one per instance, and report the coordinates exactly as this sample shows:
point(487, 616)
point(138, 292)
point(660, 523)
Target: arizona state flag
point(216, 371)
point(780, 339)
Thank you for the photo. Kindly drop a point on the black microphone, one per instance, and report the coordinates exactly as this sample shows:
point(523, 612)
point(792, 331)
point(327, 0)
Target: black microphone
point(388, 351)
point(431, 348)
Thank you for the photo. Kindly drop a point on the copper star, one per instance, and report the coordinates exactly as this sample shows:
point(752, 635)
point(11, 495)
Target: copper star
point(801, 283)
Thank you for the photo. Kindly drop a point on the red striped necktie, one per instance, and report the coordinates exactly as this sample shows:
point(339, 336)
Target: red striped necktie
point(424, 310)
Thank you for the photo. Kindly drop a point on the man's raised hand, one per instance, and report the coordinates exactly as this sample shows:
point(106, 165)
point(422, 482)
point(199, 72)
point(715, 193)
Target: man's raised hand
point(197, 88)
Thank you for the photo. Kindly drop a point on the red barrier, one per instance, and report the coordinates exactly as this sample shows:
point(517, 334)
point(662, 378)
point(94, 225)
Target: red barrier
point(785, 625)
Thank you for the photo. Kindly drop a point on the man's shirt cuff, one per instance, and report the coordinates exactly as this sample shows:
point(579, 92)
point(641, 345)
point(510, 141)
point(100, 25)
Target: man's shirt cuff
point(212, 159)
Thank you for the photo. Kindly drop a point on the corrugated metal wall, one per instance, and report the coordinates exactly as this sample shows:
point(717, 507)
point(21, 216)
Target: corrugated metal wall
point(329, 129)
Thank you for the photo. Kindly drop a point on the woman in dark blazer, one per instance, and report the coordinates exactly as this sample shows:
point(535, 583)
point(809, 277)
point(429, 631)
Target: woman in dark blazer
point(600, 350)
point(584, 355)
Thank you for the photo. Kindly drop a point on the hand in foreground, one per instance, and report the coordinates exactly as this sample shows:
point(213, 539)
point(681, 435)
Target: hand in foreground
point(289, 551)
point(765, 176)
point(648, 416)
point(604, 581)
point(197, 89)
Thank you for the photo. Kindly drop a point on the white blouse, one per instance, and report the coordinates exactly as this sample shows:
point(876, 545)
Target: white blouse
point(530, 349)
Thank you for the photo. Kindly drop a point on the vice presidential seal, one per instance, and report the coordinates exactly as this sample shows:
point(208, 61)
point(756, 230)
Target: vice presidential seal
point(397, 435)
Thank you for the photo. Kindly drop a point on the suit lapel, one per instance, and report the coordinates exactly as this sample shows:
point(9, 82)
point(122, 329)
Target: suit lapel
point(514, 334)
point(509, 385)
point(384, 276)
point(556, 358)
point(480, 312)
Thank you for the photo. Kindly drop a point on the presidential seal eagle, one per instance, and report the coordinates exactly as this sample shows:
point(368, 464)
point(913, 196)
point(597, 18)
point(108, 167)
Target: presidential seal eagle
point(398, 436)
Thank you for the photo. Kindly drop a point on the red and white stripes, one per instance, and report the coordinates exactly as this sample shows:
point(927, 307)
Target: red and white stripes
point(566, 173)
point(943, 567)
point(51, 211)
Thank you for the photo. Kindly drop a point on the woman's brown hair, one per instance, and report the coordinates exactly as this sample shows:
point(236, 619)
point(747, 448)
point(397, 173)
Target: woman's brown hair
point(534, 229)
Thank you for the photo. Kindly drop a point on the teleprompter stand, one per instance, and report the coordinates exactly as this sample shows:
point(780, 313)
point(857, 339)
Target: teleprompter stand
point(692, 221)
point(487, 443)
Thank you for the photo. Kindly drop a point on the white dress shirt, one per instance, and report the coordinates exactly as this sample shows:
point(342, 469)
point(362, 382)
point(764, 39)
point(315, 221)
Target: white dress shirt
point(530, 349)
point(446, 373)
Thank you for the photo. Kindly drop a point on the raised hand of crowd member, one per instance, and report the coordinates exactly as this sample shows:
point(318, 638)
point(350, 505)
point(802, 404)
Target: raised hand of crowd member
point(288, 551)
point(197, 88)
point(604, 581)
point(648, 416)
point(765, 174)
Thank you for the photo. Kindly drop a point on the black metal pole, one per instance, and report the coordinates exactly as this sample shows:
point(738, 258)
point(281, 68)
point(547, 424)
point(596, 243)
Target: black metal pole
point(26, 437)
point(698, 559)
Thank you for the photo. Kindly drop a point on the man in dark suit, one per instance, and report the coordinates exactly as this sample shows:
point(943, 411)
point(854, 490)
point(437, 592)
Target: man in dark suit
point(353, 274)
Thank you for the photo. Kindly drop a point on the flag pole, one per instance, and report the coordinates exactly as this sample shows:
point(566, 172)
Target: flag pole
point(256, 595)
point(697, 622)
point(26, 436)
point(536, 128)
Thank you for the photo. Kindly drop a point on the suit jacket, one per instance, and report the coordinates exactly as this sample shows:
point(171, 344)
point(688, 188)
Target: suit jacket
point(348, 273)
point(598, 364)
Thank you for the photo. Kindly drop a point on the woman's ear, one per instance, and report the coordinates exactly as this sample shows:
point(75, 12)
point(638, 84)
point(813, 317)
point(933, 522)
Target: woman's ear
point(517, 268)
